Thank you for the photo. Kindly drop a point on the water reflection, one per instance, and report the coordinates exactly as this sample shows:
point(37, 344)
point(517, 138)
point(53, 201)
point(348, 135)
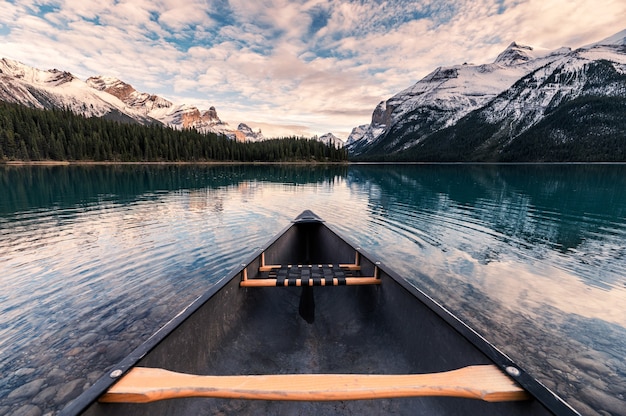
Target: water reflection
point(578, 210)
point(94, 259)
point(28, 188)
point(531, 256)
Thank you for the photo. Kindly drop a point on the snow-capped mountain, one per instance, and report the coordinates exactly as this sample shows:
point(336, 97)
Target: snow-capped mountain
point(22, 84)
point(365, 135)
point(331, 140)
point(106, 97)
point(246, 134)
point(500, 101)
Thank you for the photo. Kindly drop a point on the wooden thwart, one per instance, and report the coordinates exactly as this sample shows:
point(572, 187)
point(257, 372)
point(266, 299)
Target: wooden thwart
point(310, 275)
point(352, 266)
point(348, 281)
point(271, 267)
point(485, 382)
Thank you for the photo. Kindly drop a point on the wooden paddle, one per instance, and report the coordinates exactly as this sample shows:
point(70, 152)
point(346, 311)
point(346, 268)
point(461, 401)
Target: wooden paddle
point(486, 382)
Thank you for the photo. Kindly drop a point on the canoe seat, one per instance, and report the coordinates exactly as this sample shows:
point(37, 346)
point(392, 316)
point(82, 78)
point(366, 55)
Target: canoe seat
point(483, 382)
point(310, 275)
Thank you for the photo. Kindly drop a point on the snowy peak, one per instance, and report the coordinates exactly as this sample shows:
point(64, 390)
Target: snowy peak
point(211, 115)
point(331, 140)
point(245, 134)
point(57, 77)
point(357, 134)
point(18, 70)
point(515, 54)
point(618, 39)
point(127, 94)
point(111, 85)
point(190, 117)
point(15, 69)
point(363, 136)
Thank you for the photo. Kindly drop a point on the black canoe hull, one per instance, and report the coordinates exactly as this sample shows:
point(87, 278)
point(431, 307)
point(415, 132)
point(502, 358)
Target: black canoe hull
point(391, 328)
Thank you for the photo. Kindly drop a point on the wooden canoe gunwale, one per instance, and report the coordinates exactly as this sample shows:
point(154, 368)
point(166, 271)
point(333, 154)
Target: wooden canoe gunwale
point(543, 395)
point(91, 395)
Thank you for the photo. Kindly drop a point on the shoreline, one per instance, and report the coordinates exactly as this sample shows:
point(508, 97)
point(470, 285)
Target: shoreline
point(114, 163)
point(35, 163)
point(293, 163)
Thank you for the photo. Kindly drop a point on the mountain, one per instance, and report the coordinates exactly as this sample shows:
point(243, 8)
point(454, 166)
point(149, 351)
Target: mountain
point(107, 97)
point(246, 134)
point(529, 105)
point(24, 85)
point(331, 140)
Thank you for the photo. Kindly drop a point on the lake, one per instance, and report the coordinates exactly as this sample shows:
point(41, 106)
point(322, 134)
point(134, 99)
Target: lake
point(94, 259)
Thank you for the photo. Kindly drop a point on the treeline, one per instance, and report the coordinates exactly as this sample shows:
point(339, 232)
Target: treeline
point(587, 129)
point(30, 134)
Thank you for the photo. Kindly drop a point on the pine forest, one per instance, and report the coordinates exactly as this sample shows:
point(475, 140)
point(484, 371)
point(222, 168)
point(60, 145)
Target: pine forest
point(28, 134)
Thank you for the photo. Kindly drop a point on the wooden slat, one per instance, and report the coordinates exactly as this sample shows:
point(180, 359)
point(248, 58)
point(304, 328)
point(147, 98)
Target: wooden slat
point(485, 382)
point(300, 275)
point(270, 267)
point(349, 281)
point(353, 267)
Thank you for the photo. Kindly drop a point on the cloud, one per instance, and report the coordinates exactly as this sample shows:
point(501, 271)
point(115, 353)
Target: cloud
point(317, 64)
point(185, 15)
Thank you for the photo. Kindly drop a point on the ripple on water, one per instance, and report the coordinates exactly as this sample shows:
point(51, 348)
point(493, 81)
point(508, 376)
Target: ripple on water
point(85, 282)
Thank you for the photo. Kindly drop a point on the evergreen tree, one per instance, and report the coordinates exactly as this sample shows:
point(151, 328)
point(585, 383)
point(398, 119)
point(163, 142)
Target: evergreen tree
point(27, 133)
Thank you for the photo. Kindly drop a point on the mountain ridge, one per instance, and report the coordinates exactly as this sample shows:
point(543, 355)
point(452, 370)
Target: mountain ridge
point(108, 97)
point(112, 98)
point(500, 101)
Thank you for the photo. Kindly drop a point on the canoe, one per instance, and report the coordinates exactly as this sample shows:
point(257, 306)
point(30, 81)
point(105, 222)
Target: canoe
point(311, 324)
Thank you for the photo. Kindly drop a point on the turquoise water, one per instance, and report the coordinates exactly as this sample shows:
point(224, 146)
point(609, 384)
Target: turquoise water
point(95, 259)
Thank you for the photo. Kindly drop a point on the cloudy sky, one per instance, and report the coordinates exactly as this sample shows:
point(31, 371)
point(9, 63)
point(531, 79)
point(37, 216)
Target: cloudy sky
point(289, 67)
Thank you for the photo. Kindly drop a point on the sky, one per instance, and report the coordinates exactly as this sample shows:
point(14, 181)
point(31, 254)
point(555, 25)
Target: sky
point(304, 67)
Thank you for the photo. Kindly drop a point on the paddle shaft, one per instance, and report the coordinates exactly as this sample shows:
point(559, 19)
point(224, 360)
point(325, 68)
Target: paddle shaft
point(485, 382)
